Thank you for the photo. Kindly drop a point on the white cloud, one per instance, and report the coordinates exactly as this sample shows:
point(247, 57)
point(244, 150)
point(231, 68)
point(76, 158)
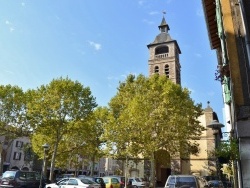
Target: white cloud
point(7, 22)
point(10, 25)
point(11, 29)
point(153, 12)
point(9, 72)
point(95, 45)
point(198, 55)
point(141, 2)
point(148, 22)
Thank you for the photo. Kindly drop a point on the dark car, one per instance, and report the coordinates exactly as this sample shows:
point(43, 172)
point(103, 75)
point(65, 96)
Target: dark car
point(18, 178)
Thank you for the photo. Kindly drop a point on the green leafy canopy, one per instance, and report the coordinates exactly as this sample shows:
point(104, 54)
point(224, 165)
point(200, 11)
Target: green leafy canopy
point(149, 114)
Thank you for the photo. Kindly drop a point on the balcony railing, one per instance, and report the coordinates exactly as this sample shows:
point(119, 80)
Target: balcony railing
point(160, 56)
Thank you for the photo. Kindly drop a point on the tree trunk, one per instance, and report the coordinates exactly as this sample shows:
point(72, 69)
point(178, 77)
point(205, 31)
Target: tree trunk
point(92, 165)
point(152, 181)
point(51, 178)
point(1, 159)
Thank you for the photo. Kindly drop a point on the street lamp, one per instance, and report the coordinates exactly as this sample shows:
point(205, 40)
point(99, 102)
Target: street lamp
point(1, 160)
point(43, 171)
point(216, 126)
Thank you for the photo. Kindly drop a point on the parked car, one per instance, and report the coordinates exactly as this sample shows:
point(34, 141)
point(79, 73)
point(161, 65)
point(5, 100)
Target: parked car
point(80, 183)
point(98, 180)
point(18, 178)
point(64, 176)
point(57, 184)
point(111, 182)
point(121, 179)
point(187, 181)
point(146, 181)
point(214, 184)
point(137, 182)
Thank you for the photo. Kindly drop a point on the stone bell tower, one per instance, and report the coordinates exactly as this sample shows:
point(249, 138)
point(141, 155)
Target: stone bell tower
point(164, 55)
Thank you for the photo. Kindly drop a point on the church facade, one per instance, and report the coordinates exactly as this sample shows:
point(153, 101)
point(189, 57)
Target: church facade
point(164, 59)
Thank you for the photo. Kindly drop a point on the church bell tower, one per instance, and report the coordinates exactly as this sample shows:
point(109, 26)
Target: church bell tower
point(164, 55)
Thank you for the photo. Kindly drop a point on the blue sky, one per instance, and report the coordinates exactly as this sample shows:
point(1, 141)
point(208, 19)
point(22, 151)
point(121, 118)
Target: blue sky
point(100, 42)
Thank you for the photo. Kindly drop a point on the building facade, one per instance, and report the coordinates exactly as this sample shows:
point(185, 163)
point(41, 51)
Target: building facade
point(164, 60)
point(15, 154)
point(228, 23)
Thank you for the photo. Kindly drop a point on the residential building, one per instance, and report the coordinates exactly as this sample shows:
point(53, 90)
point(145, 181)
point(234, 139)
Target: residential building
point(228, 23)
point(16, 154)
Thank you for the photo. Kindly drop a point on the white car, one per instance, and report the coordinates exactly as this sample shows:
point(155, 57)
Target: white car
point(136, 182)
point(182, 181)
point(80, 183)
point(57, 184)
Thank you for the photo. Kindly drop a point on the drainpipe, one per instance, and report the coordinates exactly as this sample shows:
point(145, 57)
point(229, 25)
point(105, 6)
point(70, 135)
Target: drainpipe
point(246, 29)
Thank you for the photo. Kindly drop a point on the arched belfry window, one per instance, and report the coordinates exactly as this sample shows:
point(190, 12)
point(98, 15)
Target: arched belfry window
point(166, 69)
point(156, 69)
point(161, 50)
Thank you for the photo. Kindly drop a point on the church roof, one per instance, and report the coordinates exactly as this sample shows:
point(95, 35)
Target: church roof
point(164, 36)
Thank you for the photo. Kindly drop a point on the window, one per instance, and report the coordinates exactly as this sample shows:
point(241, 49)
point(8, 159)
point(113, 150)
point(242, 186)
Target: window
point(30, 176)
point(114, 180)
point(72, 182)
point(22, 176)
point(17, 156)
point(167, 70)
point(161, 50)
point(156, 69)
point(19, 144)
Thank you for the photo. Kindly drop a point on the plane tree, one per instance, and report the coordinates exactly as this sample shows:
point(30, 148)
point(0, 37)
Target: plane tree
point(13, 121)
point(57, 110)
point(149, 115)
point(94, 144)
point(85, 145)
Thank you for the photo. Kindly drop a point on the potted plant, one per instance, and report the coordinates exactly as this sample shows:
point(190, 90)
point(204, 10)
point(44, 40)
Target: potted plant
point(221, 72)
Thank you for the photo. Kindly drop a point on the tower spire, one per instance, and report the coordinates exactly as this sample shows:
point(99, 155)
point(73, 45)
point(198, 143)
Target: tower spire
point(164, 26)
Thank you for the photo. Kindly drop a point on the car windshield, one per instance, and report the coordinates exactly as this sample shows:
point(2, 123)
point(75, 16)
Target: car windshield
point(214, 183)
point(182, 181)
point(87, 181)
point(99, 180)
point(106, 180)
point(9, 174)
point(62, 181)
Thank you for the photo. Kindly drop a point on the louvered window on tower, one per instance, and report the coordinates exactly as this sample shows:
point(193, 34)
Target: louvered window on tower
point(167, 70)
point(156, 69)
point(161, 50)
